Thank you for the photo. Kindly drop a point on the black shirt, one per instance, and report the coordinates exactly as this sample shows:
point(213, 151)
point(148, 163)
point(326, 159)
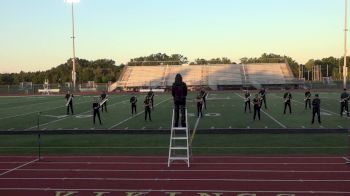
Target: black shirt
point(95, 105)
point(133, 100)
point(307, 94)
point(316, 103)
point(287, 97)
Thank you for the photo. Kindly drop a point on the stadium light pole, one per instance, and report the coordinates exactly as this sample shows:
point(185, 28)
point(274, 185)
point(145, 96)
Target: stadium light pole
point(74, 75)
point(345, 43)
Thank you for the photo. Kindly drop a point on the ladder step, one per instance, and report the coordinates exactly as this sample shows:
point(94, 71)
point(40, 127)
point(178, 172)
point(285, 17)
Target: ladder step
point(178, 148)
point(179, 128)
point(179, 138)
point(178, 158)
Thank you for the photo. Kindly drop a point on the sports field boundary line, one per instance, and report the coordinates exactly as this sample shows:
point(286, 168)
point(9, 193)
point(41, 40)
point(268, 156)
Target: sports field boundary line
point(267, 114)
point(16, 168)
point(175, 190)
point(131, 117)
point(176, 179)
point(165, 147)
point(54, 121)
point(186, 170)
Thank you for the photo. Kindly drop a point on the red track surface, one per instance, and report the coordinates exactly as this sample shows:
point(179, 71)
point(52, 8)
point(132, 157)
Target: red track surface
point(207, 176)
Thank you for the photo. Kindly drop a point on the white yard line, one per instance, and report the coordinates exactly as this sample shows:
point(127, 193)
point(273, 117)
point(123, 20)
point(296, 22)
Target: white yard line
point(271, 117)
point(16, 168)
point(125, 120)
point(69, 116)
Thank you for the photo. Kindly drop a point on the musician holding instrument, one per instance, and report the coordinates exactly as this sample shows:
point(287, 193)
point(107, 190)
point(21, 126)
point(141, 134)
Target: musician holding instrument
point(96, 109)
point(204, 97)
point(257, 106)
point(344, 103)
point(307, 98)
point(148, 105)
point(262, 94)
point(133, 101)
point(104, 99)
point(247, 101)
point(151, 96)
point(287, 102)
point(69, 104)
point(199, 101)
point(316, 105)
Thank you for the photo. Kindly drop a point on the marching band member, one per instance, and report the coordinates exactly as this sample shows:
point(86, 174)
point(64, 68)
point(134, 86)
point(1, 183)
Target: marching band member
point(69, 97)
point(287, 102)
point(151, 96)
point(204, 96)
point(133, 101)
point(103, 96)
point(199, 100)
point(257, 106)
point(262, 94)
point(307, 98)
point(316, 105)
point(247, 101)
point(148, 105)
point(344, 103)
point(96, 109)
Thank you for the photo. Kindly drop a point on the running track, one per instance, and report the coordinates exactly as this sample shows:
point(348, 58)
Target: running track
point(149, 175)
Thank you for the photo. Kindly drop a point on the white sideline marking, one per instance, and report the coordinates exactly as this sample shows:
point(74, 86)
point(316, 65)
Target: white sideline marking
point(177, 190)
point(278, 122)
point(68, 117)
point(10, 129)
point(16, 168)
point(123, 121)
point(340, 126)
point(179, 179)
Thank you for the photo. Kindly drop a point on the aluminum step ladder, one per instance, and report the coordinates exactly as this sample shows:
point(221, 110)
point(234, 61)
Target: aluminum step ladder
point(179, 143)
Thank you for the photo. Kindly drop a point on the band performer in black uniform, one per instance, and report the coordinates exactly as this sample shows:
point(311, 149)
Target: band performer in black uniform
point(247, 101)
point(133, 101)
point(204, 97)
point(179, 93)
point(316, 105)
point(262, 94)
point(257, 106)
point(344, 103)
point(69, 97)
point(151, 97)
point(287, 102)
point(307, 98)
point(148, 105)
point(104, 105)
point(199, 100)
point(96, 110)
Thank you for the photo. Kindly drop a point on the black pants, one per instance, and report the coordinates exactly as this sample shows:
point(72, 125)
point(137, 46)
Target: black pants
point(148, 112)
point(307, 102)
point(104, 106)
point(71, 108)
point(263, 101)
point(179, 107)
point(256, 111)
point(344, 106)
point(199, 109)
point(97, 112)
point(247, 103)
point(205, 103)
point(152, 100)
point(133, 109)
point(314, 112)
point(289, 106)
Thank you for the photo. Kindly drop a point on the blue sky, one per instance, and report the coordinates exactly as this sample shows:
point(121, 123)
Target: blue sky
point(35, 34)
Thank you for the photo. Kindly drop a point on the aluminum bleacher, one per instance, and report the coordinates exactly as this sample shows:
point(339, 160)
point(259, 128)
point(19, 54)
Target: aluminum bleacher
point(205, 75)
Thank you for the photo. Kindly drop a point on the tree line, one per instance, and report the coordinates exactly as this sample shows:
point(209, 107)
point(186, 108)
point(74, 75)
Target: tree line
point(105, 70)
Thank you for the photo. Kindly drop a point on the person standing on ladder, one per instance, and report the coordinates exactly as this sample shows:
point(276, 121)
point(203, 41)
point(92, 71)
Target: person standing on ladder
point(179, 92)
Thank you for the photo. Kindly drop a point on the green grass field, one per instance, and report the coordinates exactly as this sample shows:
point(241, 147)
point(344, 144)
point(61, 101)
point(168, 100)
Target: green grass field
point(225, 110)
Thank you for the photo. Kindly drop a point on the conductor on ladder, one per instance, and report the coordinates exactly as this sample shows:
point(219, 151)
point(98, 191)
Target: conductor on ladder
point(179, 92)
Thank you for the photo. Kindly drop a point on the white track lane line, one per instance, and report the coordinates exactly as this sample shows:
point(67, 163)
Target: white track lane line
point(16, 168)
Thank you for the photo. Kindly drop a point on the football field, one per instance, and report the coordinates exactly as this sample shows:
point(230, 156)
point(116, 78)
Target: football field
point(224, 111)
